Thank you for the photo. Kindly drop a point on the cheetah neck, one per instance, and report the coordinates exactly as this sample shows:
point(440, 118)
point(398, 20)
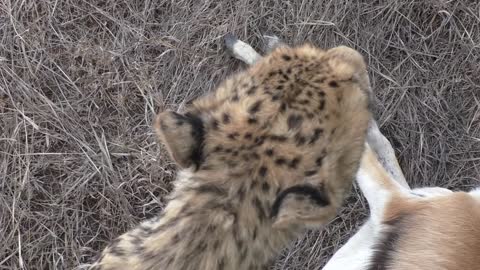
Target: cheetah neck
point(217, 228)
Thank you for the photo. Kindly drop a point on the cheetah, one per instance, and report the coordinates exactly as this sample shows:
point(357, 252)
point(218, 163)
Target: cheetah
point(270, 153)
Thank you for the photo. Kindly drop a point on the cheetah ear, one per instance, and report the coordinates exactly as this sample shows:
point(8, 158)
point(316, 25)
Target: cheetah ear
point(346, 62)
point(183, 135)
point(303, 205)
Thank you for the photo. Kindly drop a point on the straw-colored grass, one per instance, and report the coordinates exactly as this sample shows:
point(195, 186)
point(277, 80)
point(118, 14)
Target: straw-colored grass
point(80, 82)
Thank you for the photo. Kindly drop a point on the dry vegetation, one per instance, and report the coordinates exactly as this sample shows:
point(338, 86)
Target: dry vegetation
point(80, 82)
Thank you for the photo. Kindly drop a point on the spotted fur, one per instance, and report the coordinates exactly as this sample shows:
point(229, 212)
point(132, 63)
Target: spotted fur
point(270, 153)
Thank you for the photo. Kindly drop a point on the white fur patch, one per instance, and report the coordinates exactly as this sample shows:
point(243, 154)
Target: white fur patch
point(184, 177)
point(356, 253)
point(376, 196)
point(475, 193)
point(431, 191)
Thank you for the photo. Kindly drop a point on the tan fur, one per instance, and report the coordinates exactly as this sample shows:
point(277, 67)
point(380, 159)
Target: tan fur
point(433, 232)
point(296, 120)
point(378, 172)
point(438, 233)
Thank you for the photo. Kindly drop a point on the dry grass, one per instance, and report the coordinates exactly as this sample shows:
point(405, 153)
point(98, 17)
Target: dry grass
point(81, 80)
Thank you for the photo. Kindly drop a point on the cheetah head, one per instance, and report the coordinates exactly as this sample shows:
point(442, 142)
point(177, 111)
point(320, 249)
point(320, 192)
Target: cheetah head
point(292, 126)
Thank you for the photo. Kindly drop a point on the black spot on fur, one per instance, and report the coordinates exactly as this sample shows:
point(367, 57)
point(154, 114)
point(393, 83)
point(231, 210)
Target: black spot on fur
point(333, 84)
point(300, 140)
point(318, 196)
point(252, 120)
point(283, 107)
point(243, 255)
point(294, 162)
point(258, 206)
point(248, 136)
point(317, 133)
point(221, 264)
point(226, 118)
point(216, 245)
point(137, 241)
point(321, 106)
point(279, 87)
point(255, 107)
point(265, 187)
point(310, 172)
point(255, 155)
point(309, 94)
point(176, 238)
point(276, 97)
point(251, 91)
point(319, 161)
point(254, 233)
point(269, 152)
point(304, 101)
point(211, 228)
point(215, 124)
point(280, 161)
point(385, 248)
point(241, 193)
point(262, 171)
point(117, 251)
point(235, 98)
point(286, 57)
point(259, 140)
point(310, 115)
point(210, 189)
point(278, 138)
point(233, 136)
point(294, 121)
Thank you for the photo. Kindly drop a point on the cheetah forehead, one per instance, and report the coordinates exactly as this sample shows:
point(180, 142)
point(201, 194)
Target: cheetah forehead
point(294, 96)
point(299, 78)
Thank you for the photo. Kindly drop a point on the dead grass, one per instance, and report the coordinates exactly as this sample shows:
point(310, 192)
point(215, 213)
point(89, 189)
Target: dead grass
point(81, 80)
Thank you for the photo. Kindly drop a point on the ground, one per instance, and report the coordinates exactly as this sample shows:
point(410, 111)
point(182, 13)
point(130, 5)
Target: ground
point(80, 82)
